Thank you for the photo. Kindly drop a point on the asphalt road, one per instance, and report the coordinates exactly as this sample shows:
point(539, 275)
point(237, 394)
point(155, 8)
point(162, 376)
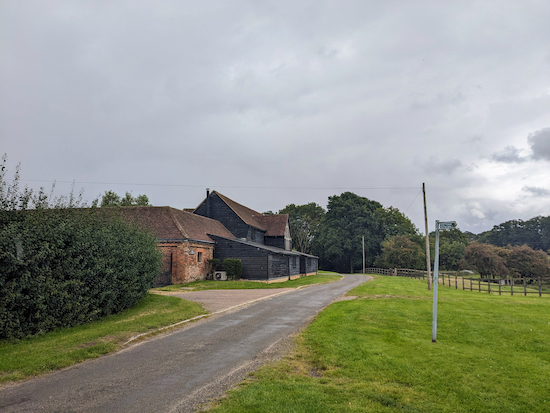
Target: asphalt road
point(182, 370)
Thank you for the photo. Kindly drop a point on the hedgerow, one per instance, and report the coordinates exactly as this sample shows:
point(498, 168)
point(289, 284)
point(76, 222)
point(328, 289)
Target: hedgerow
point(65, 266)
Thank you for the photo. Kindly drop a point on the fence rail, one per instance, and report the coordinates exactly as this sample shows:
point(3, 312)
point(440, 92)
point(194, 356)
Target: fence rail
point(509, 285)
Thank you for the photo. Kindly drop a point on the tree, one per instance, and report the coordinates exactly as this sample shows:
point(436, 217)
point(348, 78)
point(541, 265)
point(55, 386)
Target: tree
point(112, 199)
point(452, 244)
point(524, 261)
point(486, 260)
point(400, 252)
point(304, 221)
point(350, 217)
point(535, 233)
point(451, 255)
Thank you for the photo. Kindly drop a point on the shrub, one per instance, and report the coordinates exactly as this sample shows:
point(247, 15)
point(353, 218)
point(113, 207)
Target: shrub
point(212, 264)
point(68, 266)
point(233, 267)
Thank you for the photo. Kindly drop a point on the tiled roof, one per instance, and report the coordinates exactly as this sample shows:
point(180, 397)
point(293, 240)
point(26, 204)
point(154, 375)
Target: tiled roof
point(171, 223)
point(275, 225)
point(269, 248)
point(249, 216)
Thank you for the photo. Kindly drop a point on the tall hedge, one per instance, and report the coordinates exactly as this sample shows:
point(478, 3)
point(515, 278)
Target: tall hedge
point(69, 266)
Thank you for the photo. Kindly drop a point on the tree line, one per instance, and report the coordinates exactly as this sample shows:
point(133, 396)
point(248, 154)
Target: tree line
point(515, 248)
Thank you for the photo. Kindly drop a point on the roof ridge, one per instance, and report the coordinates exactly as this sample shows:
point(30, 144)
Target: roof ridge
point(178, 225)
point(225, 199)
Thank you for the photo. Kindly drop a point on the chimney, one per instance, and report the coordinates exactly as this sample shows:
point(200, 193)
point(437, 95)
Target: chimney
point(208, 202)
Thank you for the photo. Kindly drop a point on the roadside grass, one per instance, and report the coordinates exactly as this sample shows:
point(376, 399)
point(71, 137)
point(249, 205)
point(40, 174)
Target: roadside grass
point(374, 354)
point(63, 347)
point(321, 278)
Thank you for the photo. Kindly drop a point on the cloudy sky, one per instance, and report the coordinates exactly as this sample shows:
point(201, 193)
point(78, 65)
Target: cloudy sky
point(278, 102)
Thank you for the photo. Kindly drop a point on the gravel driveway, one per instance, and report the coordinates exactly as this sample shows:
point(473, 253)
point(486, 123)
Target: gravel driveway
point(219, 300)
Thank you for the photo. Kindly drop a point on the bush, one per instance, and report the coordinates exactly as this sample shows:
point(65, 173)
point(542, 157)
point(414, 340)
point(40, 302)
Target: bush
point(233, 267)
point(69, 266)
point(213, 264)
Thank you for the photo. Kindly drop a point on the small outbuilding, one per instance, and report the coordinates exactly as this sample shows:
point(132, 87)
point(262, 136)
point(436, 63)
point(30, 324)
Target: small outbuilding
point(182, 237)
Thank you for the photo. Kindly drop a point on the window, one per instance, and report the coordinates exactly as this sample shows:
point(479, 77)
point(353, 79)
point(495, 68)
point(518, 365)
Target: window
point(199, 256)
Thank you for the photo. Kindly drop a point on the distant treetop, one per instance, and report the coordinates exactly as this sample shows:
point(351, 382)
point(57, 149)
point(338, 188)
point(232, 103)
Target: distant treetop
point(112, 199)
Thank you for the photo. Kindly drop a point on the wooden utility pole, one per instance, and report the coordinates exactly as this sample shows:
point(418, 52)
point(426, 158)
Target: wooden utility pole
point(363, 254)
point(428, 261)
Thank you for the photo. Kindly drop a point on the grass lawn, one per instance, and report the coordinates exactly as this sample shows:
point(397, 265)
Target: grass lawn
point(321, 278)
point(374, 354)
point(64, 347)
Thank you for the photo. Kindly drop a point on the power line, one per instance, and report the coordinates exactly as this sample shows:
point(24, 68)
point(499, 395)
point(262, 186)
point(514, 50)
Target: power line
point(412, 201)
point(218, 186)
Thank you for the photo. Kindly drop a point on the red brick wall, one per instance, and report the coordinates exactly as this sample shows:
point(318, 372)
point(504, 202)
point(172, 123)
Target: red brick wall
point(186, 266)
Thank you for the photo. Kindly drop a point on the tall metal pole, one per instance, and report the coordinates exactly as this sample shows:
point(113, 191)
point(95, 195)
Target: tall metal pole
point(436, 282)
point(428, 260)
point(363, 254)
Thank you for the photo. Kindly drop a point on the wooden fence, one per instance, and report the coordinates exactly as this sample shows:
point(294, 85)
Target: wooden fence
point(509, 285)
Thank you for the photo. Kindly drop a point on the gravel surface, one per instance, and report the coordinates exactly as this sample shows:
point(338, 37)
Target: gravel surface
point(218, 300)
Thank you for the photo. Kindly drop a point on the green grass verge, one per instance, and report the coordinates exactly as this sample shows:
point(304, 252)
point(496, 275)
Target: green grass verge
point(321, 278)
point(64, 347)
point(374, 354)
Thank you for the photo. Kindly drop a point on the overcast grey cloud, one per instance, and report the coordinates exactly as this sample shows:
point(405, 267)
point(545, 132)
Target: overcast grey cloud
point(283, 102)
point(536, 191)
point(510, 154)
point(540, 144)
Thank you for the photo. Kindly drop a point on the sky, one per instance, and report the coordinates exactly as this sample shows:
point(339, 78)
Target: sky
point(279, 102)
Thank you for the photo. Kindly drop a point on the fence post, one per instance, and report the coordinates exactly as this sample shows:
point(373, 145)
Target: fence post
point(512, 286)
point(524, 287)
point(479, 284)
point(471, 282)
point(488, 285)
point(462, 282)
point(499, 284)
point(540, 288)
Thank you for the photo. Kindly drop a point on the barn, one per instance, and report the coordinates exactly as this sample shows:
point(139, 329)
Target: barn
point(262, 242)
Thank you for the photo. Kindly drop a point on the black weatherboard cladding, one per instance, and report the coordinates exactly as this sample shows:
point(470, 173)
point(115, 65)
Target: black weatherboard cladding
point(258, 262)
point(278, 242)
point(253, 259)
point(221, 212)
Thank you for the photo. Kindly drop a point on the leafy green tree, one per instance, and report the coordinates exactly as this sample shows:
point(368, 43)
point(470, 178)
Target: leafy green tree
point(112, 199)
point(350, 217)
point(535, 233)
point(452, 244)
point(401, 252)
point(304, 221)
point(451, 255)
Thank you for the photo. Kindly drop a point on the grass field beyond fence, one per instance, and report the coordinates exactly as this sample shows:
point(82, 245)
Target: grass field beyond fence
point(455, 279)
point(374, 354)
